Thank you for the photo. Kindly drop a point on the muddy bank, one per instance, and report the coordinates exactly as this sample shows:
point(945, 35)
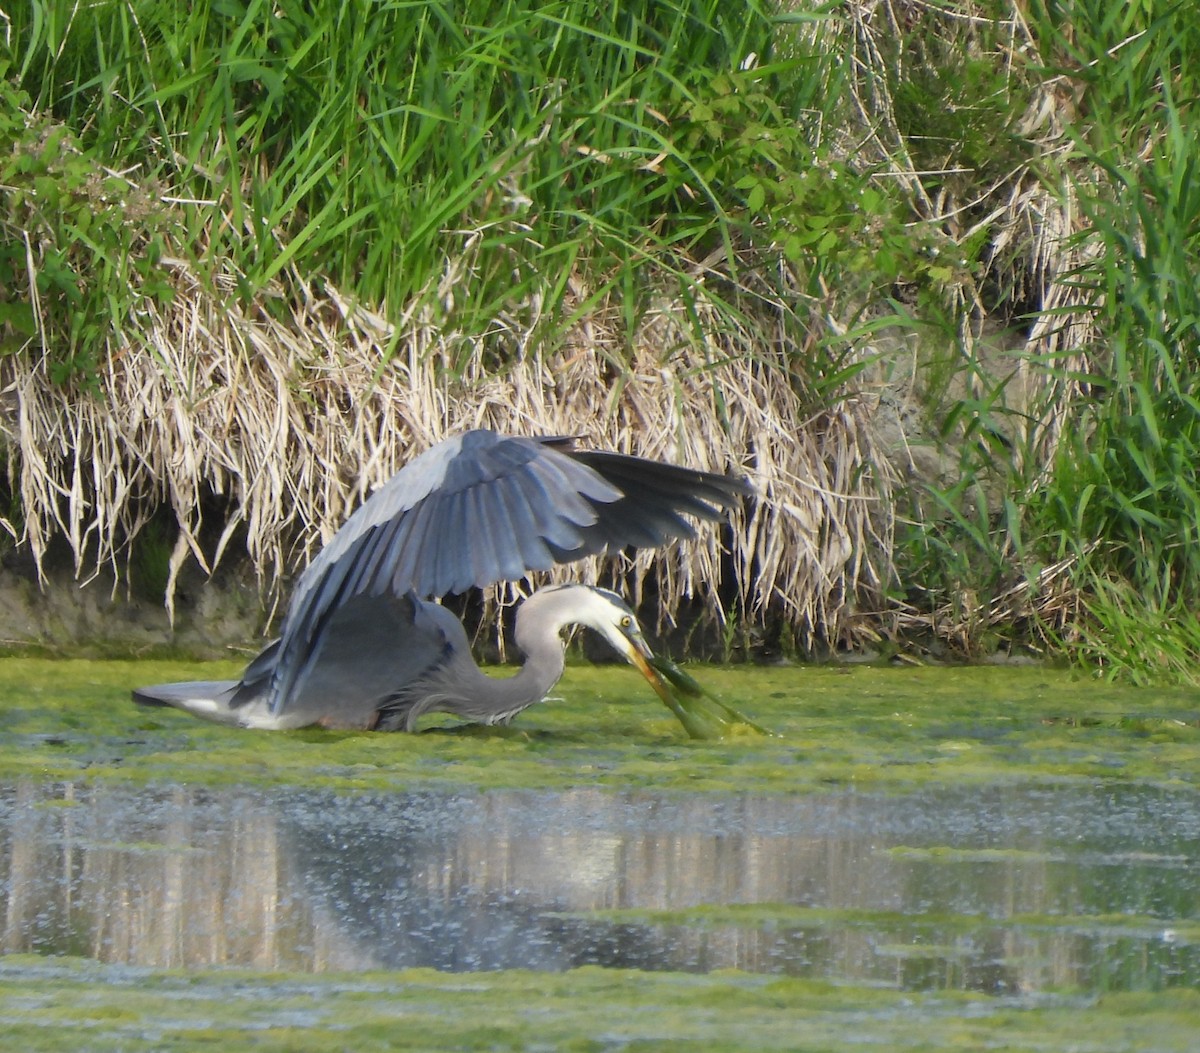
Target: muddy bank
point(60, 614)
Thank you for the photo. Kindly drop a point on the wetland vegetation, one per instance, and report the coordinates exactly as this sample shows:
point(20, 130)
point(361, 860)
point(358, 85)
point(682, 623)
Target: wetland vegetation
point(924, 271)
point(834, 726)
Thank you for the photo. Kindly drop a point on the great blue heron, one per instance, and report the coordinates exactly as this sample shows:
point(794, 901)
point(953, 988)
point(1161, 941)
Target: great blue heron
point(362, 644)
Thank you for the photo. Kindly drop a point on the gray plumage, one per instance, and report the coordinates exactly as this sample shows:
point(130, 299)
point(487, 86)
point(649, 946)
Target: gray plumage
point(363, 645)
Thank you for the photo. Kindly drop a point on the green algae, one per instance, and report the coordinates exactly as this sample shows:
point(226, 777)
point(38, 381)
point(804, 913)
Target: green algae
point(51, 1005)
point(834, 726)
point(950, 854)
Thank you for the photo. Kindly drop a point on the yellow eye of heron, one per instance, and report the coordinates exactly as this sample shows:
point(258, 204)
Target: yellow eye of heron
point(626, 622)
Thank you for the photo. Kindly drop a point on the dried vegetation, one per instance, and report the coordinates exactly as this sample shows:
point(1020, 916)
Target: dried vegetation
point(892, 342)
point(293, 421)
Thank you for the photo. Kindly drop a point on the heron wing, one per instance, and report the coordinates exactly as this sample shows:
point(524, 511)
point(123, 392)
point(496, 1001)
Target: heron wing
point(480, 508)
point(655, 497)
point(362, 653)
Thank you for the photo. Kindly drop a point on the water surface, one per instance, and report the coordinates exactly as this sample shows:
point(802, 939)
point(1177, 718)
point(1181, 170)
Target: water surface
point(1002, 889)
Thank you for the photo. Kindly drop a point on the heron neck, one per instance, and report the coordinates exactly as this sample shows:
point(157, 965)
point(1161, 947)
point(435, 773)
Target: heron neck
point(542, 669)
point(472, 694)
point(536, 632)
point(540, 620)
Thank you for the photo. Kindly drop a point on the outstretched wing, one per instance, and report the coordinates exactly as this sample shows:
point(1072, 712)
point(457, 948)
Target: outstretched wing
point(480, 508)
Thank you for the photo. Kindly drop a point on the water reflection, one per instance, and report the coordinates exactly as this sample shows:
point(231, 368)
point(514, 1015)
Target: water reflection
point(974, 897)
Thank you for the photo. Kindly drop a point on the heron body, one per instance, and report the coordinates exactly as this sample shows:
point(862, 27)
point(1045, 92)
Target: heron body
point(364, 644)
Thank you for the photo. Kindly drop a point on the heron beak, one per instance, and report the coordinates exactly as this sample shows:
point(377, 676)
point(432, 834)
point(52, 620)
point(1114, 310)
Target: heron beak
point(640, 657)
point(702, 715)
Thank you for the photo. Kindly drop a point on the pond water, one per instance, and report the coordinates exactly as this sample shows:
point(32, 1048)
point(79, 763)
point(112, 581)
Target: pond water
point(1004, 889)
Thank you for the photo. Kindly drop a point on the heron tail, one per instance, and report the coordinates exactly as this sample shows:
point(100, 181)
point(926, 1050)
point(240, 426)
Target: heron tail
point(204, 698)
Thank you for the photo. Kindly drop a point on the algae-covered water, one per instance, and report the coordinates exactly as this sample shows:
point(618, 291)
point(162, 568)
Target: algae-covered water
point(917, 859)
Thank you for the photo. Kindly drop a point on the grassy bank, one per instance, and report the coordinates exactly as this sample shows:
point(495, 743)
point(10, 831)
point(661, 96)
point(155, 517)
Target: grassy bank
point(925, 272)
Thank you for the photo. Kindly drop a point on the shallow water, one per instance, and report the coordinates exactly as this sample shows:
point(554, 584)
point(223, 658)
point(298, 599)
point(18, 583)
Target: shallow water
point(1002, 889)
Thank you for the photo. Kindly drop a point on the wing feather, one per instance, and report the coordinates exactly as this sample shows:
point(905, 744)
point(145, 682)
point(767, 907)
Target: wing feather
point(508, 521)
point(371, 558)
point(482, 550)
point(531, 523)
point(401, 554)
point(555, 522)
point(421, 532)
point(446, 561)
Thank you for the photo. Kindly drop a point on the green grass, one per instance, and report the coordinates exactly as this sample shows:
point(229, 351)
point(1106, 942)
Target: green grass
point(1100, 469)
point(1123, 494)
point(396, 147)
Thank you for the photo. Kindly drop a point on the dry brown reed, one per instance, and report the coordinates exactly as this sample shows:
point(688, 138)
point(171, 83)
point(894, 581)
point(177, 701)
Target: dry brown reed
point(293, 421)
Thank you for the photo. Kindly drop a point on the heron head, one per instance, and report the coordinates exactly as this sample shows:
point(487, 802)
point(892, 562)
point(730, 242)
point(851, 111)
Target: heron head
point(701, 714)
point(612, 618)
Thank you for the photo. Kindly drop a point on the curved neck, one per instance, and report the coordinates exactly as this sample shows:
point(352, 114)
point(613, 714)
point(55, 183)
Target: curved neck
point(489, 698)
point(464, 689)
point(540, 619)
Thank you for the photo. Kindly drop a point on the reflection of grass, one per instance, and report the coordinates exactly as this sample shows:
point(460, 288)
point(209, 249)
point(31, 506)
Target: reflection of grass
point(46, 1004)
point(138, 847)
point(789, 916)
point(879, 728)
point(947, 854)
point(779, 916)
